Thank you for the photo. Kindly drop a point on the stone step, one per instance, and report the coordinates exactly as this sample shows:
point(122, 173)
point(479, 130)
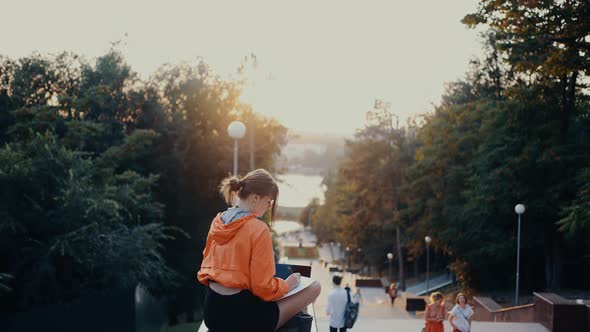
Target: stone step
point(413, 325)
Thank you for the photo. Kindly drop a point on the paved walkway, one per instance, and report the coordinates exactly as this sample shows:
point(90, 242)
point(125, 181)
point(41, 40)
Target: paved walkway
point(373, 300)
point(376, 313)
point(416, 325)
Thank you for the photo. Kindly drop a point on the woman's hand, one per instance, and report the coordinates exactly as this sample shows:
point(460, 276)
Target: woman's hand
point(293, 280)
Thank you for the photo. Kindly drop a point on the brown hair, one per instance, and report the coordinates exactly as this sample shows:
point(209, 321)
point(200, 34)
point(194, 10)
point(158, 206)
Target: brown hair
point(435, 296)
point(458, 296)
point(258, 182)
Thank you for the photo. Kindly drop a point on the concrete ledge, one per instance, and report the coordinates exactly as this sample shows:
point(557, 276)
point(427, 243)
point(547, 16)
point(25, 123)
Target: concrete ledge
point(487, 310)
point(561, 315)
point(487, 303)
point(551, 298)
point(549, 309)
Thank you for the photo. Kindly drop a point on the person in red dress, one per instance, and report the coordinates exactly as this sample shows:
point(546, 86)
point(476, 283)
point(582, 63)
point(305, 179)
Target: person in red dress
point(435, 313)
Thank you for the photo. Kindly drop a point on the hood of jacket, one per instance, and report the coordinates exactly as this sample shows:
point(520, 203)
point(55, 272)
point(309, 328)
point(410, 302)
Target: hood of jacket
point(222, 232)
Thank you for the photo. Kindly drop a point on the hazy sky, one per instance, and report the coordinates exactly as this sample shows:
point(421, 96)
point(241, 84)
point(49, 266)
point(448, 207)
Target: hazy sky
point(321, 63)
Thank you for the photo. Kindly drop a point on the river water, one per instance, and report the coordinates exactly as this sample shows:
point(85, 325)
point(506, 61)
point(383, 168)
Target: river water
point(296, 190)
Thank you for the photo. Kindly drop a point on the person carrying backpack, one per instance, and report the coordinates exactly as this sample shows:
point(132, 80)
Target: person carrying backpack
point(337, 305)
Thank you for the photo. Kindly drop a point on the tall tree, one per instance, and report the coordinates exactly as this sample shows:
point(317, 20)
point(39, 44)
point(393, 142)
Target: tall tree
point(545, 40)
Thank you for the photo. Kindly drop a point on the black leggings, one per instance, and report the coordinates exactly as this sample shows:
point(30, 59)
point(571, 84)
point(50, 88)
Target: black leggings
point(335, 329)
point(239, 312)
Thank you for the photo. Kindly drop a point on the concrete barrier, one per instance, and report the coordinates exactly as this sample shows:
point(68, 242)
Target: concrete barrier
point(561, 315)
point(487, 310)
point(549, 309)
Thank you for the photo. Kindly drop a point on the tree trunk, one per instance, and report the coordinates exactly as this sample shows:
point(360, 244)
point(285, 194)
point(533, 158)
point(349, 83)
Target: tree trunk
point(553, 259)
point(568, 103)
point(557, 261)
point(400, 259)
point(548, 261)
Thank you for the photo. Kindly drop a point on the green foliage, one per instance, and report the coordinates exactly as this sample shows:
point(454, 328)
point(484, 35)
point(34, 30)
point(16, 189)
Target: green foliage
point(539, 36)
point(82, 208)
point(306, 217)
point(545, 42)
point(576, 216)
point(515, 130)
point(69, 224)
point(3, 278)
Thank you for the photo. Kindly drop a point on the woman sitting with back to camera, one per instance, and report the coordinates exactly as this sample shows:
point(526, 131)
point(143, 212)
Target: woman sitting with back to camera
point(238, 262)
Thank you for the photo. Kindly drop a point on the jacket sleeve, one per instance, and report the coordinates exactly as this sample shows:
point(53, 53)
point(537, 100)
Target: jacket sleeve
point(263, 283)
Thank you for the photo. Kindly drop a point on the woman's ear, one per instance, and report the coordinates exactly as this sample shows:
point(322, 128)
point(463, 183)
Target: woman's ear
point(254, 200)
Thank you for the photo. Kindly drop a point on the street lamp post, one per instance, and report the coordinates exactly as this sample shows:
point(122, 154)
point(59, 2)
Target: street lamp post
point(348, 257)
point(427, 239)
point(360, 259)
point(236, 130)
point(332, 251)
point(519, 209)
point(390, 258)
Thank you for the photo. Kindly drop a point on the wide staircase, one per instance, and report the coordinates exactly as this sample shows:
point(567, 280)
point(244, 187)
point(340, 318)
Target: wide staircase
point(376, 312)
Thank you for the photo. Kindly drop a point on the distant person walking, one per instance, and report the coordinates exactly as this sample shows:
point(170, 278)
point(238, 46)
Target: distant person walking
point(357, 297)
point(392, 292)
point(461, 314)
point(337, 305)
point(435, 313)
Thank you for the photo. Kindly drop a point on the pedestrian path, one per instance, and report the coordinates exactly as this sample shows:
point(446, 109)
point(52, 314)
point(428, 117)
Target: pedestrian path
point(416, 325)
point(374, 302)
point(376, 314)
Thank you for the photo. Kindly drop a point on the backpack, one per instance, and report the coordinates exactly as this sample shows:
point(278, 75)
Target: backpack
point(351, 312)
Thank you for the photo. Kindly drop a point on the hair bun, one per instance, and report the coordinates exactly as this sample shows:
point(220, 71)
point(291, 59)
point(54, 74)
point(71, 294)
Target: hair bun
point(235, 184)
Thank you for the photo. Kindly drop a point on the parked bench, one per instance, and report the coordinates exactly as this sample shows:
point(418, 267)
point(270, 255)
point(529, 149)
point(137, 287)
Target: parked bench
point(334, 268)
point(416, 303)
point(368, 282)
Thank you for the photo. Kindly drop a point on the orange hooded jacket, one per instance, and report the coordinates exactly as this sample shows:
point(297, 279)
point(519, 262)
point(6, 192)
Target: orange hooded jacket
point(240, 255)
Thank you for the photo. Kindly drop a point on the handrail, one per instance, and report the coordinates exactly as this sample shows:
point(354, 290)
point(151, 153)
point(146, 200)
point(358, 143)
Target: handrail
point(524, 306)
